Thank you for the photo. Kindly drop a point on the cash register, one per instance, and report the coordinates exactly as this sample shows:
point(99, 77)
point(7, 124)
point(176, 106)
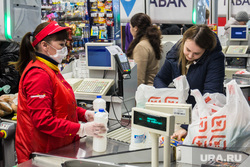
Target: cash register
point(237, 51)
point(111, 76)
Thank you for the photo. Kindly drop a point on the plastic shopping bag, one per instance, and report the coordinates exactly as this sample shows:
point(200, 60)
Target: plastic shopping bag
point(178, 94)
point(220, 122)
point(214, 102)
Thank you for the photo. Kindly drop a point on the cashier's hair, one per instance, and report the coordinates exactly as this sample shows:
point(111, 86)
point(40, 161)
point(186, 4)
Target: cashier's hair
point(203, 36)
point(145, 29)
point(27, 52)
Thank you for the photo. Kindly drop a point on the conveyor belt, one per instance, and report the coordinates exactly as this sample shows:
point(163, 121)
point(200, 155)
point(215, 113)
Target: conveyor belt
point(121, 134)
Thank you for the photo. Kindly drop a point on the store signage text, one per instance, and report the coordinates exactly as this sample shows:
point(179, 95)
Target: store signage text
point(167, 3)
point(239, 2)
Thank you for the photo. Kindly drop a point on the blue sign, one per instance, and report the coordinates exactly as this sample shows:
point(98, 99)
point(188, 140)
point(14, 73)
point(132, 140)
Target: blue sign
point(207, 2)
point(128, 6)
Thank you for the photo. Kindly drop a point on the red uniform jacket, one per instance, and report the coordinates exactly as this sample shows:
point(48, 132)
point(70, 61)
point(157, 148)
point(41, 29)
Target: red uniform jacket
point(47, 114)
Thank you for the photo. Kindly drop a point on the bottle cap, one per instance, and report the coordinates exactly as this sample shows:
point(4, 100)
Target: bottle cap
point(101, 110)
point(99, 96)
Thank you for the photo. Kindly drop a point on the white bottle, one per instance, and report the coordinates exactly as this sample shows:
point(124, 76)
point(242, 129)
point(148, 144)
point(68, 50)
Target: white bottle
point(98, 103)
point(100, 144)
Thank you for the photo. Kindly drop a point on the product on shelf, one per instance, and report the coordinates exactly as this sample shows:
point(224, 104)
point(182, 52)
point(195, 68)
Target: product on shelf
point(89, 20)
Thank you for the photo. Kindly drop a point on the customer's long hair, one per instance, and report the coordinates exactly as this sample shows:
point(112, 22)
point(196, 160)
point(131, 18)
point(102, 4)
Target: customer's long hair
point(145, 28)
point(202, 36)
point(27, 51)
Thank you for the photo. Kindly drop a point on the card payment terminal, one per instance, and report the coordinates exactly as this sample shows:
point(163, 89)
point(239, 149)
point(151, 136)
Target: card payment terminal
point(123, 63)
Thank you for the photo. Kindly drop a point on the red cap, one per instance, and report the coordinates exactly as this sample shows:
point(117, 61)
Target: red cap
point(52, 28)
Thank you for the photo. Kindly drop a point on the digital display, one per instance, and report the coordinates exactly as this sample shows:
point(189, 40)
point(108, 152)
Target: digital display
point(123, 58)
point(98, 56)
point(150, 121)
point(239, 33)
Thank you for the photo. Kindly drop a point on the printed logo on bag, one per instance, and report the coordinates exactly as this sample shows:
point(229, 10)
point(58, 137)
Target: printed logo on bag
point(213, 110)
point(154, 99)
point(207, 99)
point(171, 100)
point(218, 141)
point(198, 140)
point(203, 124)
point(219, 129)
point(231, 89)
point(218, 123)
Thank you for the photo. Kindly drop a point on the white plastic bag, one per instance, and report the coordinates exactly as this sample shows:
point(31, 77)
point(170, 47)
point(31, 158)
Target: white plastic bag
point(147, 93)
point(219, 125)
point(214, 102)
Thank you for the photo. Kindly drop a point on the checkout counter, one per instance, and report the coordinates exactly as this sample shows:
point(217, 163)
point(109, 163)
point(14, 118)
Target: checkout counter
point(118, 155)
point(236, 49)
point(237, 53)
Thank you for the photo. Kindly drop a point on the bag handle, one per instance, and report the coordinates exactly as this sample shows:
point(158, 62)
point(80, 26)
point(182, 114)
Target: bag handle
point(198, 97)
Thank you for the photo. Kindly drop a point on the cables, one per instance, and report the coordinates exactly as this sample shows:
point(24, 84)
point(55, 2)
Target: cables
point(104, 74)
point(115, 113)
point(116, 93)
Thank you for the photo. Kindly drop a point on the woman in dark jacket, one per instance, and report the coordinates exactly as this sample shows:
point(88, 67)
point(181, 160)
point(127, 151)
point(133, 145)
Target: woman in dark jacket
point(198, 55)
point(9, 52)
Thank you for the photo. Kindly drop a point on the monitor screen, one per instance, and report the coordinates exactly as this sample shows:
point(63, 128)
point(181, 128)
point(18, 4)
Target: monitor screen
point(98, 57)
point(238, 32)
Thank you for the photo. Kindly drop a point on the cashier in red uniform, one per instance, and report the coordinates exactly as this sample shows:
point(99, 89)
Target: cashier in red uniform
point(47, 114)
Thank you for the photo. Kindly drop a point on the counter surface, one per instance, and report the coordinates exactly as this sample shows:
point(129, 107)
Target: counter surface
point(83, 149)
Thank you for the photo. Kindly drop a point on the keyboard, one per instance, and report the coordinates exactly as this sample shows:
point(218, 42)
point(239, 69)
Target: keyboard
point(237, 49)
point(95, 86)
point(74, 82)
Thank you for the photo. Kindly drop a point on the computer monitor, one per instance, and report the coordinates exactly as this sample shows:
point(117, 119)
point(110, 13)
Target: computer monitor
point(98, 57)
point(238, 32)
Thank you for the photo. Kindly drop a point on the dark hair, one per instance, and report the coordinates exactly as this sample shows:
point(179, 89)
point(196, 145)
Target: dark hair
point(203, 36)
point(145, 28)
point(207, 14)
point(27, 51)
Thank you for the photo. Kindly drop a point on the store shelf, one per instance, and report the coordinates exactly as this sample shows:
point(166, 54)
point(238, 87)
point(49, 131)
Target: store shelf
point(80, 49)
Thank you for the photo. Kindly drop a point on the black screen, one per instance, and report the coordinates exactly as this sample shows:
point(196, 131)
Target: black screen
point(150, 121)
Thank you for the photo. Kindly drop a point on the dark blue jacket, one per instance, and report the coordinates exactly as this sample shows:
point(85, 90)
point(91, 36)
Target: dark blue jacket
point(207, 74)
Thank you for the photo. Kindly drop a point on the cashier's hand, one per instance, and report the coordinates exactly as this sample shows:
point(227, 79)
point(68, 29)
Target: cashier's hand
point(179, 134)
point(89, 115)
point(94, 129)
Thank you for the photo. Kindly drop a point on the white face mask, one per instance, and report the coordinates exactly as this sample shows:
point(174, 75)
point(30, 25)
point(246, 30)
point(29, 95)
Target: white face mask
point(60, 54)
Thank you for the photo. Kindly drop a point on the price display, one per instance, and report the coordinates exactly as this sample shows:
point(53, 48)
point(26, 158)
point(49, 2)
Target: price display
point(150, 121)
